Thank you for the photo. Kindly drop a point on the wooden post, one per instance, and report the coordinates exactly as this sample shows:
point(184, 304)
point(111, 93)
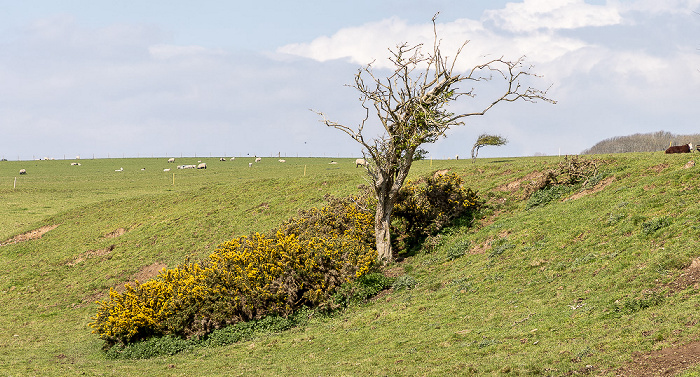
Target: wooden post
point(15, 185)
point(173, 179)
point(304, 170)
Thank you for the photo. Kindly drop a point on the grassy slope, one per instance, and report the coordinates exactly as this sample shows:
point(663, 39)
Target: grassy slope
point(536, 292)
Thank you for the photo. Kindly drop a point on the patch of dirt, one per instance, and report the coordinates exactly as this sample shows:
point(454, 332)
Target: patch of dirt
point(690, 276)
point(668, 361)
point(90, 254)
point(597, 188)
point(146, 273)
point(31, 235)
point(658, 168)
point(116, 233)
point(665, 362)
point(518, 183)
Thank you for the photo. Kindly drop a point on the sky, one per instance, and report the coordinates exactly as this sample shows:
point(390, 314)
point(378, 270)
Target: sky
point(95, 78)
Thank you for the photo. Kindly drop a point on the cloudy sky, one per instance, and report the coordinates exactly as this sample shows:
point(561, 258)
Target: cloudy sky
point(214, 77)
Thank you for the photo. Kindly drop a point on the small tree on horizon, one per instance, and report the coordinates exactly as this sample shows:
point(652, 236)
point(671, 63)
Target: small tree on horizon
point(486, 139)
point(412, 107)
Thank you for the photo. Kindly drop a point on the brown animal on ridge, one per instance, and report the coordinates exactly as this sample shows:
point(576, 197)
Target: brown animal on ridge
point(679, 148)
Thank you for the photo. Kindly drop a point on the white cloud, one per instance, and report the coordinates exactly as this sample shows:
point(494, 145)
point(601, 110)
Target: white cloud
point(533, 15)
point(658, 7)
point(165, 51)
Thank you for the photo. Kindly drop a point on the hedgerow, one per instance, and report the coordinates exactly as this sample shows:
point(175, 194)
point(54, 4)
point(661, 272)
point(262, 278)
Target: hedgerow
point(300, 264)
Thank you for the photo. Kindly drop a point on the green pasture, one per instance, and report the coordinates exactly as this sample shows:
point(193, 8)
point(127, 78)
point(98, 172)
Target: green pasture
point(571, 287)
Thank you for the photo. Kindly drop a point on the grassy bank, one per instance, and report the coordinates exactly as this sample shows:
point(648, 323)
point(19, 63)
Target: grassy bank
point(573, 286)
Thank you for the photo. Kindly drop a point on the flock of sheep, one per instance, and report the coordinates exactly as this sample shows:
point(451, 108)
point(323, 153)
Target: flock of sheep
point(203, 165)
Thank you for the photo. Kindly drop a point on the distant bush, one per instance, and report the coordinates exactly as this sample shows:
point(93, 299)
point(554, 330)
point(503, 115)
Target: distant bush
point(247, 278)
point(572, 173)
point(426, 206)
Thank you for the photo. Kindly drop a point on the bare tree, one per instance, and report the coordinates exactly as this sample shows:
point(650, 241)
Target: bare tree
point(486, 139)
point(412, 106)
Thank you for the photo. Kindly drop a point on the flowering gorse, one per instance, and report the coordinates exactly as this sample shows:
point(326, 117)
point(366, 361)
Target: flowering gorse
point(301, 263)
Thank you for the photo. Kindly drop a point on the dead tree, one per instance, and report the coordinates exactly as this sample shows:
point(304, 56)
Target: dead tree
point(412, 107)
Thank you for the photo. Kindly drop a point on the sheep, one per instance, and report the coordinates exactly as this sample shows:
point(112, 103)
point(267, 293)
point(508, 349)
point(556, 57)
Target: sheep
point(282, 160)
point(250, 164)
point(166, 169)
point(120, 169)
point(679, 148)
point(360, 161)
point(186, 166)
point(75, 164)
point(233, 158)
point(258, 159)
point(171, 160)
point(203, 165)
point(22, 171)
point(222, 159)
point(332, 163)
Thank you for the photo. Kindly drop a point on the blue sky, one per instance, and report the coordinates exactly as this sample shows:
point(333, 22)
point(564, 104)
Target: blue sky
point(230, 78)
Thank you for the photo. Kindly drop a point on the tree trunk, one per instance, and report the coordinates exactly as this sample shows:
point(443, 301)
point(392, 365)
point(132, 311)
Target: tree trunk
point(382, 229)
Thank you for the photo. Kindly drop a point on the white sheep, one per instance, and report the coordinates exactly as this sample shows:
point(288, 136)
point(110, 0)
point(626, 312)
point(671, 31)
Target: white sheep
point(258, 159)
point(233, 158)
point(120, 169)
point(282, 160)
point(203, 165)
point(22, 171)
point(171, 160)
point(166, 169)
point(360, 161)
point(250, 164)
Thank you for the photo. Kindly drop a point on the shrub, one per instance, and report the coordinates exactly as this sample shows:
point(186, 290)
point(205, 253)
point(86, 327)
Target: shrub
point(571, 173)
point(405, 281)
point(426, 206)
point(458, 249)
point(247, 278)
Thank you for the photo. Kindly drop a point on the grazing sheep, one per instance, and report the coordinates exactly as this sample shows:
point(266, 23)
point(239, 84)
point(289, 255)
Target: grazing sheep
point(171, 160)
point(22, 171)
point(332, 163)
point(282, 160)
point(258, 159)
point(186, 166)
point(166, 169)
point(233, 158)
point(250, 164)
point(679, 149)
point(75, 164)
point(222, 159)
point(120, 169)
point(360, 161)
point(203, 165)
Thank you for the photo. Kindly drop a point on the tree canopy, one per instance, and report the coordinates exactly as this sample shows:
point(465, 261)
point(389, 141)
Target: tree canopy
point(412, 105)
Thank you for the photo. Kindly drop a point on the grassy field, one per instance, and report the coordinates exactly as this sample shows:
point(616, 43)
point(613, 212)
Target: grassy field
point(572, 287)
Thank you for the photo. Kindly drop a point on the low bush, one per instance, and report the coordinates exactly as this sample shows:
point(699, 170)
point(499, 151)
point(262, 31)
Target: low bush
point(247, 278)
point(572, 173)
point(426, 206)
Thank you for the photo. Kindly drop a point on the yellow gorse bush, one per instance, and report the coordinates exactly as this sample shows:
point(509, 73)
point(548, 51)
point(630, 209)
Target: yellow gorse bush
point(300, 264)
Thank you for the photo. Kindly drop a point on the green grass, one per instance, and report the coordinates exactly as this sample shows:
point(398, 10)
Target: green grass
point(530, 290)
